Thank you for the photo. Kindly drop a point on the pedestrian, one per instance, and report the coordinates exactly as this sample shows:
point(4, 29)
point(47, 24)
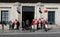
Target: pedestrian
point(32, 26)
point(39, 23)
point(23, 25)
point(10, 25)
point(16, 24)
point(27, 24)
point(45, 25)
point(35, 24)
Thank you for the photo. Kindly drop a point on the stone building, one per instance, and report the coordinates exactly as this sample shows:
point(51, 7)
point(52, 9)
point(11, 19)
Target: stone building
point(23, 11)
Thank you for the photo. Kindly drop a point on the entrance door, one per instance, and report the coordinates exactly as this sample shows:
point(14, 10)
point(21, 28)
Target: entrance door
point(27, 13)
point(51, 17)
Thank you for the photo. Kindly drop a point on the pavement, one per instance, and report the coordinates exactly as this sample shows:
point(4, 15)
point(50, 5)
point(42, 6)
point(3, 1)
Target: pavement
point(54, 32)
point(54, 29)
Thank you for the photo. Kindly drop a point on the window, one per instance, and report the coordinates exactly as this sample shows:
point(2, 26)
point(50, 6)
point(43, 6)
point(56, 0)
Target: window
point(51, 17)
point(4, 16)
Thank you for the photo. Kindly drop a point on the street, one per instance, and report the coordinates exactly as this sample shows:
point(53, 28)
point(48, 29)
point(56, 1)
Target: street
point(32, 35)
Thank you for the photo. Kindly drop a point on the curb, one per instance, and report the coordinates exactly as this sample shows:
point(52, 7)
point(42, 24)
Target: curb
point(30, 33)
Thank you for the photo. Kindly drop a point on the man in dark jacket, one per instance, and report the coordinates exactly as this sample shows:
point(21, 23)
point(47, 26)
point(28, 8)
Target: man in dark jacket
point(18, 24)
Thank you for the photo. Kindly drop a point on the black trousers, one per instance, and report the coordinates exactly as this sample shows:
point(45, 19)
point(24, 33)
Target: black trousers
point(41, 26)
point(12, 26)
point(17, 27)
point(45, 29)
point(37, 26)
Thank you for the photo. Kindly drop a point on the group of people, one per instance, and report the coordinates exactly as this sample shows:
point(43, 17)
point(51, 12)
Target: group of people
point(39, 24)
point(14, 25)
point(35, 24)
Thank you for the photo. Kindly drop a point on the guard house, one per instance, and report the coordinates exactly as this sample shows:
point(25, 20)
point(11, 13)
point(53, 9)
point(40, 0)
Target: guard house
point(23, 11)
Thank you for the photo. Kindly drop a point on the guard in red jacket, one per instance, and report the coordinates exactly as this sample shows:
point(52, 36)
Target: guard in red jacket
point(45, 25)
point(35, 24)
point(38, 24)
point(32, 25)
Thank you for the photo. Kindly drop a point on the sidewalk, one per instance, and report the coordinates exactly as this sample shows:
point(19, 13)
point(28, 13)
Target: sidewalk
point(54, 26)
point(54, 29)
point(14, 32)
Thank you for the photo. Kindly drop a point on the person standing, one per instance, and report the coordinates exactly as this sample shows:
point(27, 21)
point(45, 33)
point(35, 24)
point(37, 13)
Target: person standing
point(42, 23)
point(33, 25)
point(23, 25)
point(27, 23)
point(10, 25)
point(45, 25)
point(39, 23)
point(16, 24)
